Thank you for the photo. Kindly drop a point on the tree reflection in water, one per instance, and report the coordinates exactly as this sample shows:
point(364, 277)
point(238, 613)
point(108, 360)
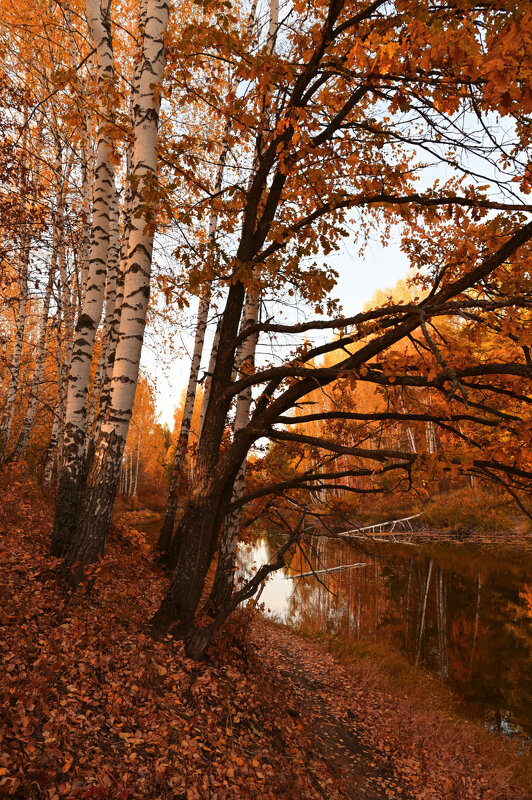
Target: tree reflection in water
point(461, 611)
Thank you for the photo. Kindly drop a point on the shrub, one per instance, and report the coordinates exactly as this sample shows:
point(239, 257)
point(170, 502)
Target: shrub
point(469, 510)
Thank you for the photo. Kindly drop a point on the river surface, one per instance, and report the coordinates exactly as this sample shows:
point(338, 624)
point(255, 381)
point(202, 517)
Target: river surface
point(464, 612)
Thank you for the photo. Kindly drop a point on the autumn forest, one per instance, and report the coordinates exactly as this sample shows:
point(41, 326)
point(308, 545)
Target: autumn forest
point(188, 188)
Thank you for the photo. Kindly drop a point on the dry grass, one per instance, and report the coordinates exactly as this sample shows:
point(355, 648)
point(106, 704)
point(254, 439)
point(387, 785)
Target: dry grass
point(468, 510)
point(424, 717)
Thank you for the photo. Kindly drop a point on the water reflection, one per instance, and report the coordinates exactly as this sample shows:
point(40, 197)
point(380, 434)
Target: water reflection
point(465, 613)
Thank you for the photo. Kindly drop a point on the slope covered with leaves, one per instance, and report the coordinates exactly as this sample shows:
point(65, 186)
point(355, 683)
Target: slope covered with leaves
point(91, 707)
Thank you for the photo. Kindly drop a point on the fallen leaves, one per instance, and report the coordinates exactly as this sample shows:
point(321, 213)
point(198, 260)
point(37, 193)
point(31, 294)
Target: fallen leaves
point(90, 707)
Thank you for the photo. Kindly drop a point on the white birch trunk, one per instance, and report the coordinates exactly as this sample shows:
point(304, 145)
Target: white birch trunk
point(430, 430)
point(109, 332)
point(67, 302)
point(100, 489)
point(136, 481)
point(122, 241)
point(38, 372)
point(6, 422)
point(20, 325)
point(53, 449)
point(75, 430)
point(86, 216)
point(411, 441)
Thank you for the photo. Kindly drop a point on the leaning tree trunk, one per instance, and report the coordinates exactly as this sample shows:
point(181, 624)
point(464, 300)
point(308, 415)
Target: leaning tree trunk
point(78, 380)
point(167, 528)
point(197, 532)
point(224, 579)
point(197, 535)
point(102, 481)
point(214, 477)
point(208, 377)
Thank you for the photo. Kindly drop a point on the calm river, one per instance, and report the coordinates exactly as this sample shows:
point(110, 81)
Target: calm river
point(464, 612)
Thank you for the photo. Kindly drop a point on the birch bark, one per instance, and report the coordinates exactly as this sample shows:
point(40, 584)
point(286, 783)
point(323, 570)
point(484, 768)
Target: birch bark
point(123, 240)
point(6, 422)
point(20, 325)
point(102, 480)
point(137, 465)
point(86, 216)
point(67, 305)
point(54, 438)
point(109, 332)
point(75, 429)
point(38, 372)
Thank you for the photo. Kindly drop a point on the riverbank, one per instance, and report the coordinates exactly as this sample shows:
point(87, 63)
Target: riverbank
point(457, 516)
point(91, 707)
point(516, 539)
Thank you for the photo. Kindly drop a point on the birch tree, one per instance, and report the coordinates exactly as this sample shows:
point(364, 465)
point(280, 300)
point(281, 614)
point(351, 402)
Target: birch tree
point(75, 428)
point(22, 298)
point(102, 481)
point(112, 316)
point(38, 372)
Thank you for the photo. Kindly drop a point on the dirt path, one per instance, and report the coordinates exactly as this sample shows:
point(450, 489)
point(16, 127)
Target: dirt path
point(332, 731)
point(360, 740)
point(313, 683)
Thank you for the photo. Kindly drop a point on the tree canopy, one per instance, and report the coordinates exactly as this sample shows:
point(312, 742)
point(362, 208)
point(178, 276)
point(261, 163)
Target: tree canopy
point(246, 144)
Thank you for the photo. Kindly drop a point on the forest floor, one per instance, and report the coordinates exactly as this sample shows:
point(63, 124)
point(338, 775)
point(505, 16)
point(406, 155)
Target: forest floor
point(92, 707)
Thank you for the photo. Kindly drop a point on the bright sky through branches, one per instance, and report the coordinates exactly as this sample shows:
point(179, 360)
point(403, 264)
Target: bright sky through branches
point(359, 278)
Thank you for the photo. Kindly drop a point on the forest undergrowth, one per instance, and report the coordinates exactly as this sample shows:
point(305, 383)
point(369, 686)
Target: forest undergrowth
point(92, 707)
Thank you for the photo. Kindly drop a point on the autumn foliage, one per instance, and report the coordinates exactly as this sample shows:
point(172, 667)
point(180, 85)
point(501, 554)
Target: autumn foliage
point(92, 707)
point(160, 160)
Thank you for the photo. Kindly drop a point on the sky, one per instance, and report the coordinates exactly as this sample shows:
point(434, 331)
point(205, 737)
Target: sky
point(359, 277)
